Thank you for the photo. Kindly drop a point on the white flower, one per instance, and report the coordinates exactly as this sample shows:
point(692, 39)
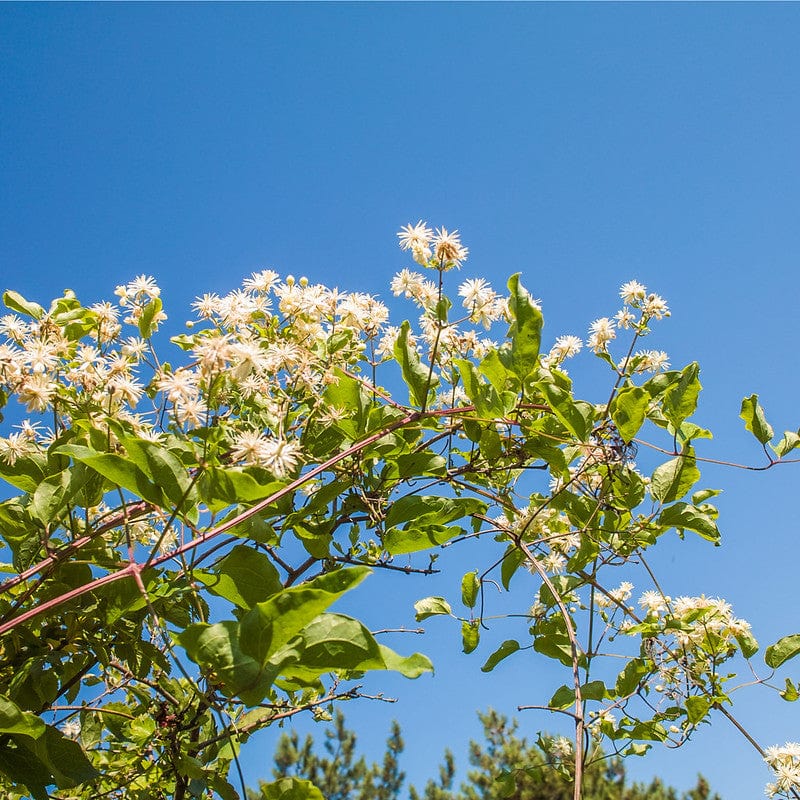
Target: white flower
point(565, 347)
point(448, 248)
point(601, 332)
point(652, 361)
point(406, 283)
point(261, 281)
point(207, 305)
point(475, 291)
point(412, 236)
point(652, 601)
point(655, 306)
point(71, 729)
point(280, 456)
point(624, 318)
point(632, 292)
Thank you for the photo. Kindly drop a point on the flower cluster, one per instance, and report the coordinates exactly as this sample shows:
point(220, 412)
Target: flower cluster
point(440, 250)
point(640, 307)
point(785, 763)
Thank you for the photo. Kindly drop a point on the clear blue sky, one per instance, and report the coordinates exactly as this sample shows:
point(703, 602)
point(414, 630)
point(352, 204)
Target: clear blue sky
point(583, 145)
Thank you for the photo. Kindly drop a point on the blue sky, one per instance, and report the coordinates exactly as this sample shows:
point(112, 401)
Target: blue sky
point(583, 145)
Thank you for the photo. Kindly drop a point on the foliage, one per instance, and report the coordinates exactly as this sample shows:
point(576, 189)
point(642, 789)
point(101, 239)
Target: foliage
point(504, 767)
point(185, 518)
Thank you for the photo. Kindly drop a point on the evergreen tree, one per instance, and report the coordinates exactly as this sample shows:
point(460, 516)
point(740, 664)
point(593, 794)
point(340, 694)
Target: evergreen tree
point(504, 766)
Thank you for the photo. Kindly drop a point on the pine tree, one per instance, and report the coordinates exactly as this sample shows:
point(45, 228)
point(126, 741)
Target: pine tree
point(502, 767)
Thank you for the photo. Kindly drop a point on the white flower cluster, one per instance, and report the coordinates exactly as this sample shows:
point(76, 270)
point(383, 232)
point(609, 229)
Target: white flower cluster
point(440, 250)
point(785, 763)
point(647, 306)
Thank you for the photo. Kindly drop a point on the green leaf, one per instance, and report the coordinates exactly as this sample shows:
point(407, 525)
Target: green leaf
point(338, 643)
point(789, 442)
point(272, 623)
point(783, 650)
point(565, 696)
point(630, 677)
point(14, 720)
point(424, 520)
point(117, 469)
point(470, 635)
point(218, 648)
point(421, 463)
point(686, 517)
point(680, 400)
point(512, 559)
point(350, 396)
point(495, 371)
point(163, 467)
point(628, 410)
point(747, 644)
point(469, 589)
point(430, 607)
point(419, 378)
point(147, 322)
point(789, 694)
point(575, 415)
point(506, 649)
point(25, 473)
point(525, 331)
point(49, 497)
point(672, 480)
point(754, 420)
point(290, 789)
point(16, 302)
point(697, 708)
point(245, 577)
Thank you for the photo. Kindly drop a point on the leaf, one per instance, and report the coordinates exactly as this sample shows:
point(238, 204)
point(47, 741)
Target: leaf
point(424, 521)
point(504, 651)
point(338, 643)
point(419, 378)
point(628, 410)
point(672, 480)
point(525, 331)
point(680, 400)
point(14, 720)
point(512, 559)
point(697, 708)
point(630, 677)
point(789, 442)
point(575, 416)
point(349, 395)
point(164, 468)
point(470, 635)
point(272, 623)
point(421, 463)
point(686, 517)
point(218, 648)
point(147, 323)
point(565, 695)
point(49, 497)
point(747, 644)
point(117, 469)
point(245, 577)
point(16, 302)
point(430, 607)
point(789, 694)
point(469, 589)
point(290, 789)
point(783, 650)
point(754, 420)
